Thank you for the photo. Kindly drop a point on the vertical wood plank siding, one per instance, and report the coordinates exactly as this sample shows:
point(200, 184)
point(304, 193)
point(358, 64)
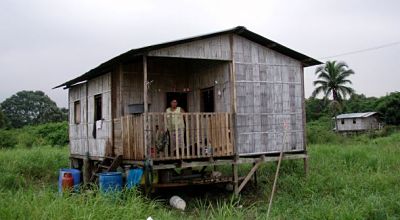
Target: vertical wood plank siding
point(269, 94)
point(215, 48)
point(77, 132)
point(79, 136)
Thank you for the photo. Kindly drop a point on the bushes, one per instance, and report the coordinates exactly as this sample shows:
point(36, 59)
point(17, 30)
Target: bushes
point(53, 134)
point(7, 139)
point(26, 139)
point(384, 132)
point(320, 131)
point(388, 107)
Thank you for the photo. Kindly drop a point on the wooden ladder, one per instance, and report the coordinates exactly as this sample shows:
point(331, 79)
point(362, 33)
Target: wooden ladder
point(106, 165)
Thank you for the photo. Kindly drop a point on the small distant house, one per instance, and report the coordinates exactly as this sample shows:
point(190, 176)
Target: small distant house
point(354, 122)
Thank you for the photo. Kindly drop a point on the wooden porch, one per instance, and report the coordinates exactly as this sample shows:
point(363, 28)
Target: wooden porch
point(146, 136)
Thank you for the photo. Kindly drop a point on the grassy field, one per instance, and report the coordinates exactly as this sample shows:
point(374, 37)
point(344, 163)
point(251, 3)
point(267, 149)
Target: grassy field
point(356, 179)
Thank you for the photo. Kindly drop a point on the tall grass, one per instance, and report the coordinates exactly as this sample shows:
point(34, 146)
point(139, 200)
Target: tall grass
point(45, 204)
point(20, 168)
point(358, 179)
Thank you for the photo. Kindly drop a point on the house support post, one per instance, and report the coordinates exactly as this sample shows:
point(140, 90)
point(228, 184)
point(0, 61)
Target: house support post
point(235, 178)
point(86, 171)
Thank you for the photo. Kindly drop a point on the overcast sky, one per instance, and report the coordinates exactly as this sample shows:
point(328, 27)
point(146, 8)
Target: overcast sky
point(46, 42)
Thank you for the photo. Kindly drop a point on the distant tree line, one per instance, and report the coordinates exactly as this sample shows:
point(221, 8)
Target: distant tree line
point(387, 106)
point(333, 82)
point(30, 108)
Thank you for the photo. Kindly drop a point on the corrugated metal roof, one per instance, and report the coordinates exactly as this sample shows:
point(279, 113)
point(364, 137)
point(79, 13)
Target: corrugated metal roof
point(355, 115)
point(240, 30)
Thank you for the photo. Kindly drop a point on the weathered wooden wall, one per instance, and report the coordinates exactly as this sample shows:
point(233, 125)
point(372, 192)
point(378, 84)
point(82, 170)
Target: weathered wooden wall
point(165, 75)
point(77, 132)
point(81, 135)
point(100, 86)
point(207, 74)
point(171, 75)
point(269, 96)
point(131, 85)
point(127, 88)
point(360, 125)
point(216, 48)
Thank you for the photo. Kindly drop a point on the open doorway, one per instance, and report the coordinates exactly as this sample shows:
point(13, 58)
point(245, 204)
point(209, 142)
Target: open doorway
point(181, 97)
point(207, 100)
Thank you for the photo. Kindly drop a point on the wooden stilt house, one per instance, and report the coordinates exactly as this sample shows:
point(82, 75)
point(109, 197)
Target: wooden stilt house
point(243, 95)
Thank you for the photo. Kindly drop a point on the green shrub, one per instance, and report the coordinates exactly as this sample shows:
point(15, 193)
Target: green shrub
point(54, 134)
point(7, 139)
point(388, 130)
point(26, 139)
point(384, 132)
point(320, 131)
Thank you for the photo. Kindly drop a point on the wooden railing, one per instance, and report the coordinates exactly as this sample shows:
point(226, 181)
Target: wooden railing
point(163, 136)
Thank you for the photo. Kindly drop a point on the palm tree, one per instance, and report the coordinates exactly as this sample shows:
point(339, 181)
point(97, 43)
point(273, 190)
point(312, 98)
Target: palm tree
point(333, 80)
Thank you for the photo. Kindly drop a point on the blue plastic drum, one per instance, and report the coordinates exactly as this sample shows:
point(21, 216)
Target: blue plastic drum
point(110, 181)
point(134, 177)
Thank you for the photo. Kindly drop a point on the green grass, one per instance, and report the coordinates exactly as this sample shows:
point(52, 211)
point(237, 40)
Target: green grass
point(356, 179)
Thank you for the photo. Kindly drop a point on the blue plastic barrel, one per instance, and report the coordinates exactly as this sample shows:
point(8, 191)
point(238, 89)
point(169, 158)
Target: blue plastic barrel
point(110, 181)
point(134, 177)
point(76, 174)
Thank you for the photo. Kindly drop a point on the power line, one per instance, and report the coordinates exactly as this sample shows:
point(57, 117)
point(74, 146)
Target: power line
point(363, 50)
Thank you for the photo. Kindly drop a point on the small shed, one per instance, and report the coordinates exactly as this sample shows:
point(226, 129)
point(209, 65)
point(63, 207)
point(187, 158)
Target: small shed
point(243, 95)
point(358, 122)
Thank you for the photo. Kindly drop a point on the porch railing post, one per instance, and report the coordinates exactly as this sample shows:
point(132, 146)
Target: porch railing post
point(232, 80)
point(145, 107)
